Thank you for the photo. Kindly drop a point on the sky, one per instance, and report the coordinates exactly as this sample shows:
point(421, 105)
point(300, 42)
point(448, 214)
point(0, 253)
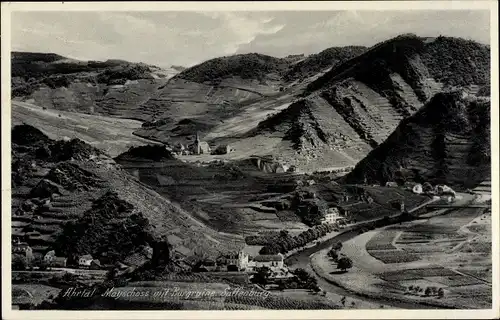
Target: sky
point(188, 38)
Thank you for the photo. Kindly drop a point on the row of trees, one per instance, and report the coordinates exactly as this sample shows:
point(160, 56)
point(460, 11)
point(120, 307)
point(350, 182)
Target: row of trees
point(428, 291)
point(285, 242)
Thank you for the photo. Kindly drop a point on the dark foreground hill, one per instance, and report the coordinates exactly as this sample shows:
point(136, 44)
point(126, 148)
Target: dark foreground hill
point(69, 196)
point(447, 141)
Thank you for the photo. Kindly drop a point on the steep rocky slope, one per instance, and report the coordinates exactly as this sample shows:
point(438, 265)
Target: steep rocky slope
point(59, 185)
point(447, 141)
point(357, 104)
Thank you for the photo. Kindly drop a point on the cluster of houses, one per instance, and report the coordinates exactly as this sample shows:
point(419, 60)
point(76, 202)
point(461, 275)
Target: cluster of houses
point(200, 147)
point(241, 261)
point(51, 260)
point(427, 188)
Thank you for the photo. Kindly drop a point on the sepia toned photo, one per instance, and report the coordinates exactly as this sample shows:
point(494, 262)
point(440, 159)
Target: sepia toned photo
point(331, 160)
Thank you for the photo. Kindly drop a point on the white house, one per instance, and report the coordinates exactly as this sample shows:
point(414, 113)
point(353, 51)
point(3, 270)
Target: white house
point(332, 215)
point(391, 184)
point(417, 189)
point(85, 261)
point(272, 261)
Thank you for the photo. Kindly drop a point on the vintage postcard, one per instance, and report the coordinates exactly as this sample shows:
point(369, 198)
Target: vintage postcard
point(250, 160)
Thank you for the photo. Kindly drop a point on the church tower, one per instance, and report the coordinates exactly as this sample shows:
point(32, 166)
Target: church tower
point(197, 147)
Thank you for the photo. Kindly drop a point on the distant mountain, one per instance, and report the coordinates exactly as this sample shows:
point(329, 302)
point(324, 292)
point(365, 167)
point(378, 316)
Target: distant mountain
point(251, 66)
point(111, 87)
point(446, 141)
point(218, 89)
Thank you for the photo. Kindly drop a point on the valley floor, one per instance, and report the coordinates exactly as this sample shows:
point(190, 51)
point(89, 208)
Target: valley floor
point(452, 251)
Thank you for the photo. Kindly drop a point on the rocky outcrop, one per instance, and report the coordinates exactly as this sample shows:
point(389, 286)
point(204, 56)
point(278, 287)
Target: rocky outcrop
point(446, 142)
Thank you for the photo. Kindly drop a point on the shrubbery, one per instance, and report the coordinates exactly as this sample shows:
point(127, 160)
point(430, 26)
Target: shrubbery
point(98, 230)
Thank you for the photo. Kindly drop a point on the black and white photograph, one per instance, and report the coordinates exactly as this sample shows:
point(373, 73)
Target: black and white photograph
point(256, 158)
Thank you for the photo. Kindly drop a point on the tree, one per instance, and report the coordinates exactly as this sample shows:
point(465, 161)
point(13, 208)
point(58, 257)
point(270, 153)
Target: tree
point(333, 254)
point(262, 275)
point(269, 249)
point(428, 291)
point(440, 292)
point(18, 262)
point(344, 264)
point(284, 233)
point(337, 246)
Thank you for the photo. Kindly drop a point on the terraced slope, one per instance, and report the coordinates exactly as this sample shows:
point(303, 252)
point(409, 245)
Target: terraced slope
point(59, 183)
point(112, 87)
point(447, 141)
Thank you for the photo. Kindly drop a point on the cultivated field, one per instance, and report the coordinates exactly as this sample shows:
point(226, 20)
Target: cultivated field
point(451, 252)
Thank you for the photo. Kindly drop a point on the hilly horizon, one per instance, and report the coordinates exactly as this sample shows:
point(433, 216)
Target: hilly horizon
point(315, 112)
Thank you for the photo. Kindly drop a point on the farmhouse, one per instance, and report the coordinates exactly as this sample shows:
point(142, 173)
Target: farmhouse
point(179, 148)
point(417, 189)
point(272, 261)
point(331, 216)
point(444, 190)
point(85, 261)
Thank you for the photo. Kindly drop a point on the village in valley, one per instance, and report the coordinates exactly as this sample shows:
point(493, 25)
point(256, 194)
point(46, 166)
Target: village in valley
point(347, 177)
